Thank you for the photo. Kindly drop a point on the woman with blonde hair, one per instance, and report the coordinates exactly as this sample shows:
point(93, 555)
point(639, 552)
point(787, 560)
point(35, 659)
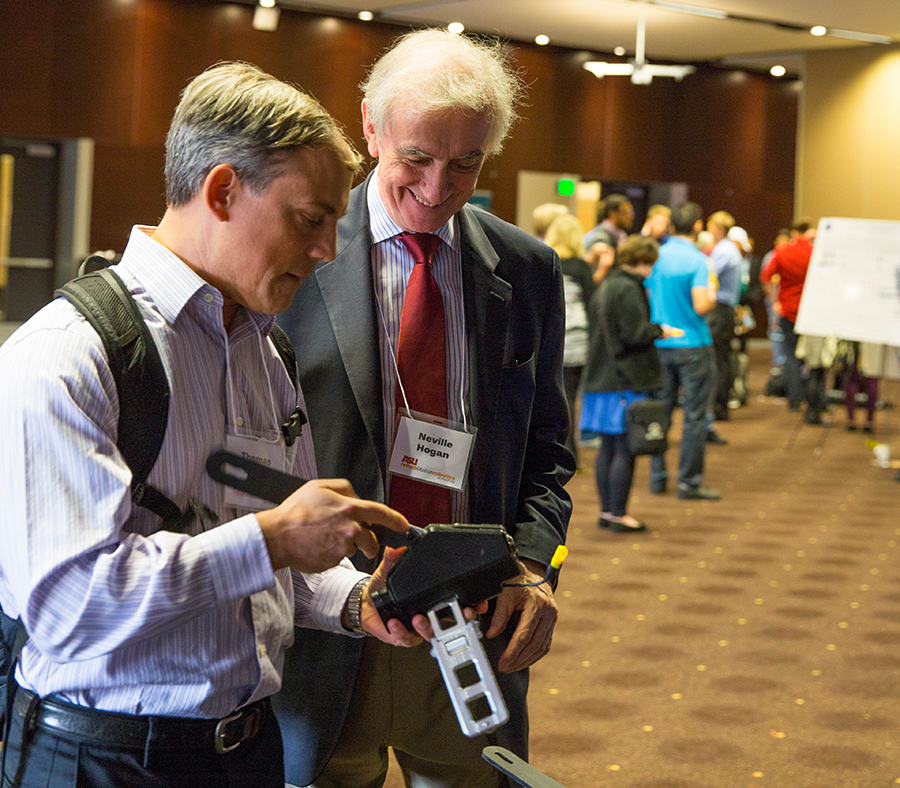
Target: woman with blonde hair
point(564, 236)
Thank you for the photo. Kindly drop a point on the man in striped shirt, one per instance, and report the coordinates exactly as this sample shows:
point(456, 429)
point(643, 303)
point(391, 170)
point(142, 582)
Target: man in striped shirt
point(152, 654)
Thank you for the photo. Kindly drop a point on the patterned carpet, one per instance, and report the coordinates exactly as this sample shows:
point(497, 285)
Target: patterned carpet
point(753, 641)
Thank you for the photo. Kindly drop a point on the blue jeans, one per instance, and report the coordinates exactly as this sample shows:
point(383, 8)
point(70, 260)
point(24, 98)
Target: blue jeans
point(691, 370)
point(793, 367)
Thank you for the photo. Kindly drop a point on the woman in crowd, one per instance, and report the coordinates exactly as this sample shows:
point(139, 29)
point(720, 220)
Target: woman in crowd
point(622, 366)
point(564, 237)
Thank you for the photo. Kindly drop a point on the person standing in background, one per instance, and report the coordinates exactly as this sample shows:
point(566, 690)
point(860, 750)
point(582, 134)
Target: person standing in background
point(622, 368)
point(600, 257)
point(682, 291)
point(564, 238)
point(614, 219)
point(789, 263)
point(542, 217)
point(656, 225)
point(725, 258)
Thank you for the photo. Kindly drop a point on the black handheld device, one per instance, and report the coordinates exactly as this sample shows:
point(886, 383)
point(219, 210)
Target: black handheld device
point(466, 562)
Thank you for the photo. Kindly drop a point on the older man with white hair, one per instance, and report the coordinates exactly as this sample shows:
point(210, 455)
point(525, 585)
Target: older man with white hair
point(432, 307)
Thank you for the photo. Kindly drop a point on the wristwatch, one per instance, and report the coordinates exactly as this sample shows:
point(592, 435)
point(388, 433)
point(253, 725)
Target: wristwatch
point(354, 607)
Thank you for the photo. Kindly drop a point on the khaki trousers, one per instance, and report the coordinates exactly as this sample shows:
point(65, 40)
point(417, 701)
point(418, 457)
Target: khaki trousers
point(401, 701)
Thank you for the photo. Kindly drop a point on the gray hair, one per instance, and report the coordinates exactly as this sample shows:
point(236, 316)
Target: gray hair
point(442, 71)
point(235, 113)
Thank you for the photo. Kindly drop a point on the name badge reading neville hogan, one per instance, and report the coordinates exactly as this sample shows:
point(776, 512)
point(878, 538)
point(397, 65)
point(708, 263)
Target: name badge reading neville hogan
point(431, 452)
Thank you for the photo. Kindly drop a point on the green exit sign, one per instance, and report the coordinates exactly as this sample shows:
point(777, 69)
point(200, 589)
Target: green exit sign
point(565, 187)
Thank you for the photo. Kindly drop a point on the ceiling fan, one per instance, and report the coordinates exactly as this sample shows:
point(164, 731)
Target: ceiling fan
point(640, 71)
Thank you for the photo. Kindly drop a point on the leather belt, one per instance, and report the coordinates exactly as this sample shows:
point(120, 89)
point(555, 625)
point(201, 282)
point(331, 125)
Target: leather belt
point(111, 729)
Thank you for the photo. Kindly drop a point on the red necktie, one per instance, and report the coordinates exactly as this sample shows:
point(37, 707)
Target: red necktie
point(422, 365)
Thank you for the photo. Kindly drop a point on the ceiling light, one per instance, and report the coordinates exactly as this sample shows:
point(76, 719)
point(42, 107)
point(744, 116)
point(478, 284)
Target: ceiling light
point(542, 40)
point(778, 71)
point(619, 51)
point(267, 3)
point(600, 69)
point(456, 27)
point(366, 16)
point(640, 71)
point(818, 30)
point(690, 9)
point(266, 18)
point(870, 38)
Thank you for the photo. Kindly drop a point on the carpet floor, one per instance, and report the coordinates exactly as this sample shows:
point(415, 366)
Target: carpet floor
point(751, 641)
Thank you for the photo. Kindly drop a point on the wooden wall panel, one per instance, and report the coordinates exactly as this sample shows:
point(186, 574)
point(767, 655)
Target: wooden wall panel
point(113, 70)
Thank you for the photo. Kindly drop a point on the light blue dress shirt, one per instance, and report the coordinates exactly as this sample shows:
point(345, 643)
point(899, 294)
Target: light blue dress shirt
point(122, 616)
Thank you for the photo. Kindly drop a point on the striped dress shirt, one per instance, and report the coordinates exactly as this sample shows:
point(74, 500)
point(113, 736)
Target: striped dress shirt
point(122, 616)
point(392, 264)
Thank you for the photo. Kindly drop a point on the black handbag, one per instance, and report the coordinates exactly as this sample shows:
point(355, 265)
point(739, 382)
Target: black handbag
point(647, 426)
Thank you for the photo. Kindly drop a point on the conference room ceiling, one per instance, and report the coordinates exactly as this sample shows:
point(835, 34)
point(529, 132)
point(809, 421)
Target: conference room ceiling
point(780, 36)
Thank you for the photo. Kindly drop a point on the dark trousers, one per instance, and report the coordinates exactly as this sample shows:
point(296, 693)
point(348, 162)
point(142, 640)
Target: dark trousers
point(793, 369)
point(571, 382)
point(52, 761)
point(614, 472)
point(721, 327)
point(689, 370)
point(855, 381)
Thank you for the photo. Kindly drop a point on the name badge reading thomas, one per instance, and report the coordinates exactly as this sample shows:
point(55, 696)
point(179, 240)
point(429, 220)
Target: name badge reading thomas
point(429, 450)
point(266, 452)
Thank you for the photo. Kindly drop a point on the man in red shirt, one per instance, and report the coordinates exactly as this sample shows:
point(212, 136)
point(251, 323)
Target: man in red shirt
point(790, 263)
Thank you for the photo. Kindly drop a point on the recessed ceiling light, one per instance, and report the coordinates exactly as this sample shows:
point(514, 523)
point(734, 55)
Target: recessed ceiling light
point(542, 40)
point(366, 16)
point(619, 51)
point(456, 27)
point(777, 71)
point(818, 30)
point(267, 3)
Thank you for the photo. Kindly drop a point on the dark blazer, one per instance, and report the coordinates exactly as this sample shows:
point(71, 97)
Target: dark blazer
point(514, 312)
point(621, 353)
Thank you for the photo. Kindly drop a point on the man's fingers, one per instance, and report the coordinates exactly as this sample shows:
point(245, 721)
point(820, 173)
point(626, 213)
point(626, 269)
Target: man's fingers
point(341, 486)
point(378, 514)
point(365, 540)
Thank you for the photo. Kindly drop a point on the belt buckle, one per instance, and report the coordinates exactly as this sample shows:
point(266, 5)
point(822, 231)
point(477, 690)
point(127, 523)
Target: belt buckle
point(221, 747)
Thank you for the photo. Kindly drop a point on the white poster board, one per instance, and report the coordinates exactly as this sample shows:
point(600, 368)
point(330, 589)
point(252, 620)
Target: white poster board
point(852, 288)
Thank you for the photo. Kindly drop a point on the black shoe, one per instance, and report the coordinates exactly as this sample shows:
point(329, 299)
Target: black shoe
point(603, 522)
point(868, 429)
point(713, 437)
point(851, 428)
point(698, 493)
point(658, 488)
point(793, 407)
point(621, 528)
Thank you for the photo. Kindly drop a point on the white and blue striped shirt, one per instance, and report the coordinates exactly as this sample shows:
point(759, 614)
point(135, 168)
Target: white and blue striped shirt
point(122, 616)
point(392, 263)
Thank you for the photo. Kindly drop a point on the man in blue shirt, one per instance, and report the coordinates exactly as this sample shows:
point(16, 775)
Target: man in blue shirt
point(682, 290)
point(726, 262)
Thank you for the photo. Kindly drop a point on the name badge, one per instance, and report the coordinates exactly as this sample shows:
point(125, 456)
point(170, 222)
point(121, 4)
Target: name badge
point(430, 450)
point(272, 454)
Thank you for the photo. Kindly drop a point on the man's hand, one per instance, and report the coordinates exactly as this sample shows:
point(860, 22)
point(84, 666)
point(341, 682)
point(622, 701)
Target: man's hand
point(321, 523)
point(539, 612)
point(394, 632)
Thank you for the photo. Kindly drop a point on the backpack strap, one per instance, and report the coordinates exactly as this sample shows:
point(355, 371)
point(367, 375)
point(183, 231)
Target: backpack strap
point(285, 350)
point(14, 636)
point(140, 377)
point(292, 428)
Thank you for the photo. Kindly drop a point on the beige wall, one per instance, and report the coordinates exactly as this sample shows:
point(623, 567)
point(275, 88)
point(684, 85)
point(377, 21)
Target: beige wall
point(848, 142)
